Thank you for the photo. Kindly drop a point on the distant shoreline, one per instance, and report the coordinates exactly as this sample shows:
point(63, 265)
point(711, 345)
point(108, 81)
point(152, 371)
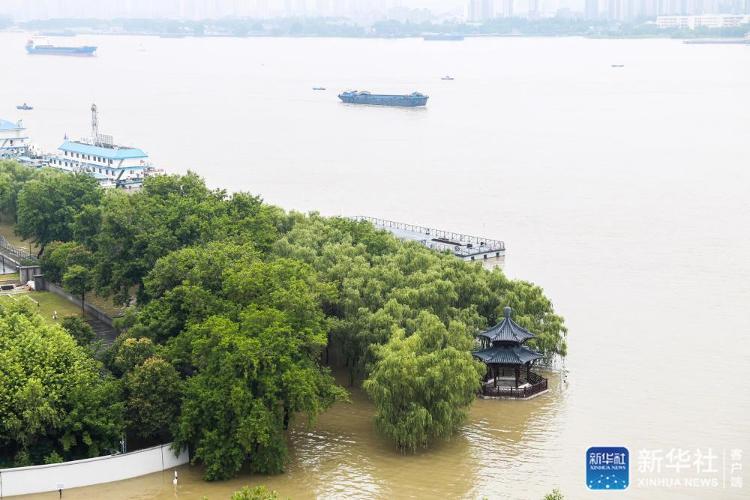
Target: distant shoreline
point(685, 39)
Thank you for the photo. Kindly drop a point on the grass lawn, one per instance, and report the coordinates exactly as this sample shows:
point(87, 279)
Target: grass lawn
point(48, 302)
point(104, 304)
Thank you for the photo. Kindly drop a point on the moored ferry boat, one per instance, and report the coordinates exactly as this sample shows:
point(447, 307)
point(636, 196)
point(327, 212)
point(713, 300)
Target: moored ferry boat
point(15, 145)
point(112, 165)
point(14, 142)
point(363, 97)
point(48, 49)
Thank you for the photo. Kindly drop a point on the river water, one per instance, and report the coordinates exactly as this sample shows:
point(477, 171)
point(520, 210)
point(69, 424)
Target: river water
point(622, 191)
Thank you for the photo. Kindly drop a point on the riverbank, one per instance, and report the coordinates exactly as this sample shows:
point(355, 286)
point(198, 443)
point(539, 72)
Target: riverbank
point(343, 27)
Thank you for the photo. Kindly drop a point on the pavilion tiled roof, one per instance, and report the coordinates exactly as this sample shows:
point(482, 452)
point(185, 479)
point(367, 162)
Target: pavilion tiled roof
point(507, 331)
point(509, 355)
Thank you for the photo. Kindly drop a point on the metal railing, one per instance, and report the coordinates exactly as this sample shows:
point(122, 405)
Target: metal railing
point(458, 243)
point(13, 252)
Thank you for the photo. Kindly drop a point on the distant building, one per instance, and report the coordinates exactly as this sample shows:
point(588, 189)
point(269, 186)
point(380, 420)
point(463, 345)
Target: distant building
point(534, 12)
point(615, 10)
point(704, 21)
point(481, 10)
point(507, 8)
point(592, 9)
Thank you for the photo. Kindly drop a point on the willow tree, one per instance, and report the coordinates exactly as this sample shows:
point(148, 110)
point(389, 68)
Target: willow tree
point(423, 384)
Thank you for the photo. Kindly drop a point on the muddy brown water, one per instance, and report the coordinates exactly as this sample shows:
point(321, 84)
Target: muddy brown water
point(623, 192)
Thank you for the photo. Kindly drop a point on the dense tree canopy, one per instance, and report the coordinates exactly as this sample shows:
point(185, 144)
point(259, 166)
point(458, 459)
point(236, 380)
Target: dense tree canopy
point(13, 177)
point(54, 402)
point(153, 390)
point(48, 205)
point(250, 333)
point(238, 311)
point(77, 328)
point(168, 214)
point(59, 256)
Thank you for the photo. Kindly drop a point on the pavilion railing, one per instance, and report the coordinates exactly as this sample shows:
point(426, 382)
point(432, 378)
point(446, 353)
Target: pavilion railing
point(537, 384)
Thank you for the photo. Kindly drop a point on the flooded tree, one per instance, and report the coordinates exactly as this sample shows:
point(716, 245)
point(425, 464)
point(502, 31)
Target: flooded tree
point(423, 384)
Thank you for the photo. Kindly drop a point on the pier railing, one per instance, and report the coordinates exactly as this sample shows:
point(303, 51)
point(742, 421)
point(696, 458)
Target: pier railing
point(537, 384)
point(459, 243)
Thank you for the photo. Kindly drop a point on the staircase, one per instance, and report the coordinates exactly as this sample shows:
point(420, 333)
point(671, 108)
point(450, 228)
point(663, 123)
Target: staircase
point(102, 331)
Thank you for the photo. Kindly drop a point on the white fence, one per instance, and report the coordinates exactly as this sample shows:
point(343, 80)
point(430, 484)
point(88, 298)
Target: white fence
point(52, 477)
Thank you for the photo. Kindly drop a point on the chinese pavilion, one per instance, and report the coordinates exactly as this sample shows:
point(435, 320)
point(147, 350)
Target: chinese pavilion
point(508, 361)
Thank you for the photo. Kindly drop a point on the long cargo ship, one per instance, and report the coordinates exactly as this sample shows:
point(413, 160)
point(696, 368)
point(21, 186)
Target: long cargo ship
point(363, 97)
point(48, 49)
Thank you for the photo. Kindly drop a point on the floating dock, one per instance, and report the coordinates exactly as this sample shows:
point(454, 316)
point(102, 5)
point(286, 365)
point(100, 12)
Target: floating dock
point(463, 246)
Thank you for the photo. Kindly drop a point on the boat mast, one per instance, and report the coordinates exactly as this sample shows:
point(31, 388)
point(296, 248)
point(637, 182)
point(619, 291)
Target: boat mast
point(94, 125)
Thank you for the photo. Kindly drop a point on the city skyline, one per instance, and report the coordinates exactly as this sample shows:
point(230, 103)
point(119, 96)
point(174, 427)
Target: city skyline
point(469, 10)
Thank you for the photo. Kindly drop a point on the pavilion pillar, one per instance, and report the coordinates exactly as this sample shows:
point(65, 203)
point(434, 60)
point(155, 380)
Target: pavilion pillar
point(518, 375)
point(494, 370)
point(528, 370)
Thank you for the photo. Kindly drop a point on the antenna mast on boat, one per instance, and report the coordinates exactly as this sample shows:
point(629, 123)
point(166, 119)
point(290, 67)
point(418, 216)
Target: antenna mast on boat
point(94, 124)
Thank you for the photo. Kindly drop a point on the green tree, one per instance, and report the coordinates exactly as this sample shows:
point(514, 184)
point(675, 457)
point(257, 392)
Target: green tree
point(54, 400)
point(60, 255)
point(255, 493)
point(48, 204)
point(86, 225)
point(78, 329)
point(252, 377)
point(423, 384)
point(13, 176)
point(152, 396)
point(169, 213)
point(554, 495)
point(77, 280)
point(131, 352)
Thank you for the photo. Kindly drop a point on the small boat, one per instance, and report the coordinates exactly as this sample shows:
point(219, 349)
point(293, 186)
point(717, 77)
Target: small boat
point(319, 88)
point(447, 77)
point(618, 65)
point(24, 107)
